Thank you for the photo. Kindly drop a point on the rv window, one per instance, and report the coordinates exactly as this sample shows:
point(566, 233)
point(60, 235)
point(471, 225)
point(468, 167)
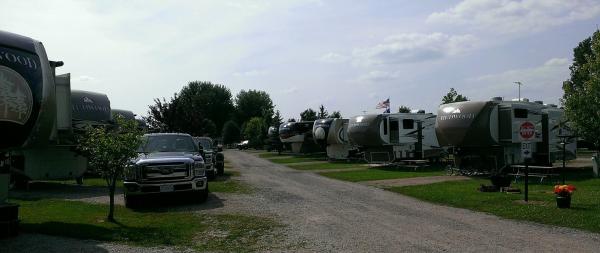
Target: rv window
point(385, 126)
point(521, 113)
point(408, 123)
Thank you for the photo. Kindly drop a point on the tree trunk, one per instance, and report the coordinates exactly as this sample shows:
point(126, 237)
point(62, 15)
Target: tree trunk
point(111, 190)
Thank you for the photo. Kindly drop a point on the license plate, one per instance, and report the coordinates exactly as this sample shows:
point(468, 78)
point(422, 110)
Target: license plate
point(166, 188)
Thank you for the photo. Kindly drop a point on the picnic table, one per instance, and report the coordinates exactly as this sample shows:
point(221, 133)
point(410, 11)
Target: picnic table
point(540, 172)
point(414, 164)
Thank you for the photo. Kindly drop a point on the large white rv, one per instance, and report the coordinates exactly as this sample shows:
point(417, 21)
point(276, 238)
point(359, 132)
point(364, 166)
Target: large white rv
point(333, 135)
point(487, 135)
point(386, 138)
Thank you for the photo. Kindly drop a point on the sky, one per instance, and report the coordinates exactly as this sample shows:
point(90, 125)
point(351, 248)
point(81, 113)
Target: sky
point(345, 55)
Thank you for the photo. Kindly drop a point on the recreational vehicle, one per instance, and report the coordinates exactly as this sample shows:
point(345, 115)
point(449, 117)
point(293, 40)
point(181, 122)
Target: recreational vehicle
point(332, 135)
point(299, 136)
point(386, 138)
point(27, 88)
point(273, 141)
point(488, 136)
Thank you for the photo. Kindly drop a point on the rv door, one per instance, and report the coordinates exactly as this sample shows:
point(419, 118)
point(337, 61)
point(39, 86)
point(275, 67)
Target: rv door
point(394, 130)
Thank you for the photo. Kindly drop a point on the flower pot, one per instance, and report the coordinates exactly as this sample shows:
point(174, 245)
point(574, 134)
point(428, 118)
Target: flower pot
point(563, 202)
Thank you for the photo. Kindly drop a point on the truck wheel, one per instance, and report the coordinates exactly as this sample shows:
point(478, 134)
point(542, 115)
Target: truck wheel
point(221, 169)
point(202, 195)
point(131, 201)
point(79, 180)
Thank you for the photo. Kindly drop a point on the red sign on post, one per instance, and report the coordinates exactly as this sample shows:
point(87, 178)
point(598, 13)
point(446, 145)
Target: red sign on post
point(527, 130)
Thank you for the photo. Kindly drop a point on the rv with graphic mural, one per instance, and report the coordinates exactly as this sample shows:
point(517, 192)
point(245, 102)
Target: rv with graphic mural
point(388, 138)
point(487, 135)
point(298, 136)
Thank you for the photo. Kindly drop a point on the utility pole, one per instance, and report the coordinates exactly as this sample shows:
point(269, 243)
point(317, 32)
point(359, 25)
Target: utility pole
point(519, 84)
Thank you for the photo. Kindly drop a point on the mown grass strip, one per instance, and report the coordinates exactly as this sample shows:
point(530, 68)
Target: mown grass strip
point(326, 166)
point(227, 184)
point(297, 160)
point(146, 228)
point(584, 212)
point(380, 174)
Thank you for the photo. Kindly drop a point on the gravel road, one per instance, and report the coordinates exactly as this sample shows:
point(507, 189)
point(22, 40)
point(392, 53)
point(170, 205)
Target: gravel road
point(331, 215)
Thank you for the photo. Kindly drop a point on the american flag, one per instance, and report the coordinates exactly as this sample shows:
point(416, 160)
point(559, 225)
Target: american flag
point(383, 104)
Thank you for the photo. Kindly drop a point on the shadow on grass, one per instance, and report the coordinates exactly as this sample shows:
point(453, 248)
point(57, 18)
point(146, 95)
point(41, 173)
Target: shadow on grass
point(180, 202)
point(44, 190)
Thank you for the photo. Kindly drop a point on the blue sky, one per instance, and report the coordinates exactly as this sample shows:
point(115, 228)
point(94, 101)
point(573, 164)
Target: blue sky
point(347, 56)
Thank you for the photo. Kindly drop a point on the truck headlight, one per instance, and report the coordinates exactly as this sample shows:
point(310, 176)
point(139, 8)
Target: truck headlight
point(131, 172)
point(199, 169)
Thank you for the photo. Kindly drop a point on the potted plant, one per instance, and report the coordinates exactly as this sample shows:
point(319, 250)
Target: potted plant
point(563, 195)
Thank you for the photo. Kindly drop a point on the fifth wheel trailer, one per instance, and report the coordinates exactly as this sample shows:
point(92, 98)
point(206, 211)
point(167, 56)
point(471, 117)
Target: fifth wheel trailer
point(28, 106)
point(386, 138)
point(332, 134)
point(487, 135)
point(299, 136)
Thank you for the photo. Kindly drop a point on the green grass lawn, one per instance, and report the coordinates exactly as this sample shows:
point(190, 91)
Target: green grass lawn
point(229, 185)
point(326, 166)
point(379, 174)
point(297, 160)
point(584, 212)
point(270, 154)
point(148, 228)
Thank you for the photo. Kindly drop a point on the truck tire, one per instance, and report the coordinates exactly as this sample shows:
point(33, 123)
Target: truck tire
point(131, 201)
point(202, 195)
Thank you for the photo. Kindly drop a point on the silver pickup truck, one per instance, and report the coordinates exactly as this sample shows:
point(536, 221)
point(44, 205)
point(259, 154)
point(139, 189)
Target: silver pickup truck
point(168, 163)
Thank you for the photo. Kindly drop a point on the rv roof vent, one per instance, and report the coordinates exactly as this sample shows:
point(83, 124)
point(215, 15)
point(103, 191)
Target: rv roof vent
point(525, 99)
point(552, 105)
point(497, 99)
point(421, 111)
point(539, 102)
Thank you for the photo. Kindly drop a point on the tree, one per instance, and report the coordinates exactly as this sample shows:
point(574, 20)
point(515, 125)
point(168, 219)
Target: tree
point(253, 131)
point(200, 109)
point(322, 113)
point(582, 91)
point(404, 109)
point(253, 103)
point(308, 115)
point(109, 150)
point(335, 115)
point(231, 132)
point(453, 96)
point(277, 120)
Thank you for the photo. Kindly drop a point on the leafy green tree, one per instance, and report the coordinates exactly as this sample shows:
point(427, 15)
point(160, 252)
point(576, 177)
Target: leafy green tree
point(322, 113)
point(109, 150)
point(231, 132)
point(582, 91)
point(200, 109)
point(254, 132)
point(253, 103)
point(308, 115)
point(335, 115)
point(277, 120)
point(453, 96)
point(404, 109)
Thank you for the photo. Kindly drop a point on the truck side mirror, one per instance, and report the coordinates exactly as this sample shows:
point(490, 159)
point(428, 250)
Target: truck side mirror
point(201, 150)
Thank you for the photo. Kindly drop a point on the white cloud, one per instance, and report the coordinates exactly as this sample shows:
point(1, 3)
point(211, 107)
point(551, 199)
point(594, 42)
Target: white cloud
point(541, 82)
point(414, 47)
point(84, 78)
point(378, 76)
point(333, 58)
point(290, 90)
point(250, 73)
point(507, 16)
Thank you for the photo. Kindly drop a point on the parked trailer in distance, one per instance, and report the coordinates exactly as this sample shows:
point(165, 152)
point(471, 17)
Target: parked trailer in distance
point(333, 136)
point(487, 135)
point(387, 138)
point(299, 136)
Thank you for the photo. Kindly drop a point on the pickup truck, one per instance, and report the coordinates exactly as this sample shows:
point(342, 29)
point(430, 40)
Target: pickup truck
point(168, 163)
point(213, 158)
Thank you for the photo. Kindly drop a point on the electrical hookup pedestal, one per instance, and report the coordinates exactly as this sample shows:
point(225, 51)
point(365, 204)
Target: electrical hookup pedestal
point(9, 213)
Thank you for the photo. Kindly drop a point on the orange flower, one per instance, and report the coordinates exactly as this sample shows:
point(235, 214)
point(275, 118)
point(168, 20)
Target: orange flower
point(564, 190)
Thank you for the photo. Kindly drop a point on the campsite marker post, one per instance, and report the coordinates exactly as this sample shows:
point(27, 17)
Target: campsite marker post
point(526, 132)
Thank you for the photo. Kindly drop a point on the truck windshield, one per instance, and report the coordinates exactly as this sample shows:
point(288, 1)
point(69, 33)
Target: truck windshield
point(168, 143)
point(205, 143)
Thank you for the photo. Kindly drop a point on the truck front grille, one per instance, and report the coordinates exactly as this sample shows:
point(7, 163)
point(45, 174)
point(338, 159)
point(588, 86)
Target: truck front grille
point(166, 172)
